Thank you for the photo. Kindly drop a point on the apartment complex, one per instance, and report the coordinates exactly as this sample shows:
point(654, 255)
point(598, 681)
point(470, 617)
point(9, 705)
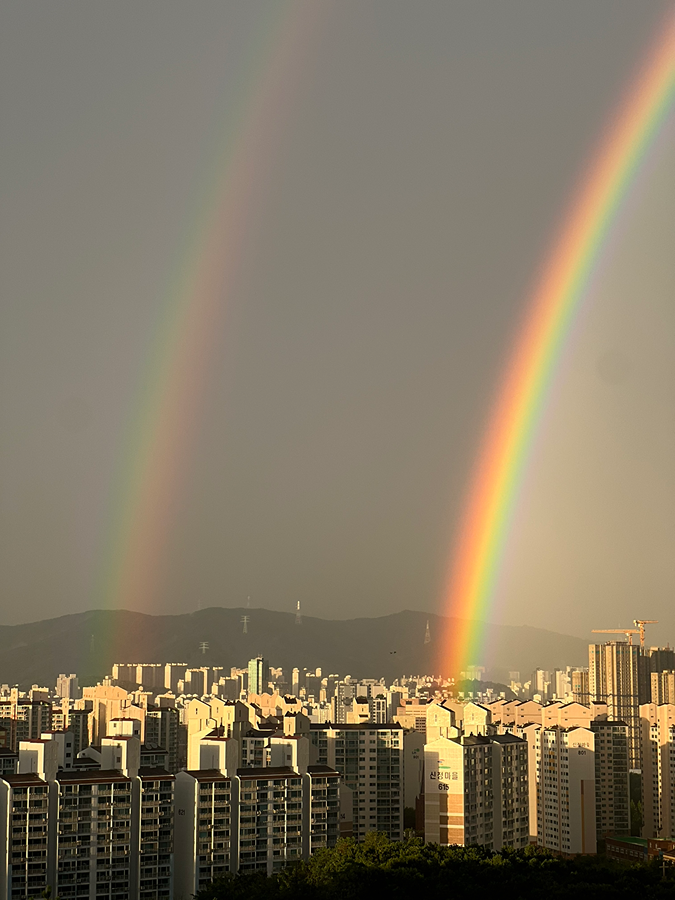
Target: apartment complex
point(370, 759)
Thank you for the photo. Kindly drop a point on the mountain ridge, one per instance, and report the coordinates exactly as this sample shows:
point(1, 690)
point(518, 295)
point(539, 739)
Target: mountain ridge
point(88, 643)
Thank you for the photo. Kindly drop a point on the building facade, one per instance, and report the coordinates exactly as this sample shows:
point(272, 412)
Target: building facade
point(369, 758)
point(476, 791)
point(614, 677)
point(657, 723)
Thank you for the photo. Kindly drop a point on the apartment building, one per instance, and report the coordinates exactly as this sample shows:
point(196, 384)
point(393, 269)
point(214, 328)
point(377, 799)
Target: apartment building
point(564, 786)
point(657, 723)
point(369, 758)
point(161, 730)
point(24, 833)
point(68, 687)
point(271, 814)
point(173, 673)
point(615, 671)
point(206, 829)
point(9, 761)
point(612, 787)
point(77, 724)
point(93, 839)
point(663, 687)
point(510, 791)
point(321, 801)
point(23, 719)
point(579, 686)
point(411, 714)
point(476, 791)
point(258, 675)
point(156, 845)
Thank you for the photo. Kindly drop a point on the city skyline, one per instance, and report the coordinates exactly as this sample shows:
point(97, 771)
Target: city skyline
point(161, 777)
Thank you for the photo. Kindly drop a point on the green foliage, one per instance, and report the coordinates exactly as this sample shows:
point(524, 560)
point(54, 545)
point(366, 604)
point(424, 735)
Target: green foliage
point(400, 870)
point(636, 819)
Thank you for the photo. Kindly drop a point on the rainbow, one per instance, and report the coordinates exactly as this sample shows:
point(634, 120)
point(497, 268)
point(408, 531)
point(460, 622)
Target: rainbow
point(512, 426)
point(167, 411)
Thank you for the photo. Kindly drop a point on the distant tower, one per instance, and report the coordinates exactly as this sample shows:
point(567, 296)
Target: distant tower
point(427, 634)
point(245, 620)
point(298, 615)
point(258, 675)
point(204, 646)
point(248, 602)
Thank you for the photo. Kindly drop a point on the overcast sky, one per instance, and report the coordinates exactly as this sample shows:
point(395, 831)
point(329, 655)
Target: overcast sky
point(416, 186)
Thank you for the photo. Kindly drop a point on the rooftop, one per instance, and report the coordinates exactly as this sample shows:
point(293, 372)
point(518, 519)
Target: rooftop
point(207, 775)
point(95, 776)
point(25, 780)
point(322, 770)
point(360, 726)
point(155, 773)
point(269, 772)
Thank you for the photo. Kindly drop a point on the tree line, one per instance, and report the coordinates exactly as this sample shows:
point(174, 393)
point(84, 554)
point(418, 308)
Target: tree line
point(414, 870)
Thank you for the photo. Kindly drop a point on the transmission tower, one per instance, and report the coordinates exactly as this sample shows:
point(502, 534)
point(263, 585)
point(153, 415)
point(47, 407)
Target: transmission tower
point(298, 615)
point(245, 620)
point(204, 646)
point(427, 634)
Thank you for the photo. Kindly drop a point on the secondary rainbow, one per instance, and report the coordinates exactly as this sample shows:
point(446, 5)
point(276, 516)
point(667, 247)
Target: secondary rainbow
point(551, 312)
point(156, 449)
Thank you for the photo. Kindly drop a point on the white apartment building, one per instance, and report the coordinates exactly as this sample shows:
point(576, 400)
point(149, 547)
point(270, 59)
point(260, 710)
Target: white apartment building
point(657, 724)
point(564, 782)
point(476, 791)
point(206, 829)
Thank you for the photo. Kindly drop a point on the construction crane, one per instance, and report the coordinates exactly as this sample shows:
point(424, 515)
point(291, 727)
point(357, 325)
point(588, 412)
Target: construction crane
point(629, 632)
point(640, 623)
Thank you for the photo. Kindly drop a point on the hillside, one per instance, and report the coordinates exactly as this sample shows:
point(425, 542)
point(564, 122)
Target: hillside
point(88, 643)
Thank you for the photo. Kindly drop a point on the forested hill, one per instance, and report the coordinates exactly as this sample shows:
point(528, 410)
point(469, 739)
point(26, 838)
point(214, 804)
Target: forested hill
point(88, 643)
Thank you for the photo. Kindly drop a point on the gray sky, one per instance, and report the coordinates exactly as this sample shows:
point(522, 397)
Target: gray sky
point(416, 187)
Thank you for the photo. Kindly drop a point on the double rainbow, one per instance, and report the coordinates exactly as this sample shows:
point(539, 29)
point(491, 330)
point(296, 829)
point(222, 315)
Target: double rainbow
point(551, 312)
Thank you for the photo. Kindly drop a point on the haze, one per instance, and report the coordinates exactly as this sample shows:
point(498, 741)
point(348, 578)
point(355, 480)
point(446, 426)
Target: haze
point(429, 153)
